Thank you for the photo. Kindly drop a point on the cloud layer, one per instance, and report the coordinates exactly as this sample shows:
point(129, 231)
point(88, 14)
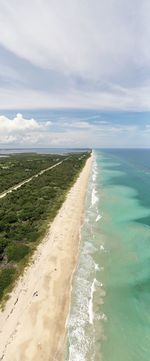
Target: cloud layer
point(67, 53)
point(71, 129)
point(21, 131)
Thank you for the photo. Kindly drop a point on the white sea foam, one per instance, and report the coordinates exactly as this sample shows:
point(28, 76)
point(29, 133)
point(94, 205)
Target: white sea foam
point(90, 308)
point(98, 218)
point(94, 178)
point(102, 316)
point(95, 172)
point(81, 325)
point(94, 197)
point(91, 312)
point(79, 339)
point(97, 267)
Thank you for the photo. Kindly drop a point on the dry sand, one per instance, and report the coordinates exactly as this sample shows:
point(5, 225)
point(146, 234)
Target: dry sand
point(33, 324)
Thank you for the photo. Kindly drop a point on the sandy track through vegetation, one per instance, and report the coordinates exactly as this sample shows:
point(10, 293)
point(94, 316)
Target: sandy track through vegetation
point(19, 185)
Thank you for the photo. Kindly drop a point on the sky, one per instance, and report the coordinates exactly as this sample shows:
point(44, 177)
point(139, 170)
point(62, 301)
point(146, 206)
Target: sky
point(92, 55)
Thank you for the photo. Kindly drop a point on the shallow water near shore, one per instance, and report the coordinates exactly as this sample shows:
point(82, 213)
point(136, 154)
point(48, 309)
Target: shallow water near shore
point(109, 318)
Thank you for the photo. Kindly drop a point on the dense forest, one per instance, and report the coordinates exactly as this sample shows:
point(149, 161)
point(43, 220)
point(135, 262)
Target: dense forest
point(17, 168)
point(26, 212)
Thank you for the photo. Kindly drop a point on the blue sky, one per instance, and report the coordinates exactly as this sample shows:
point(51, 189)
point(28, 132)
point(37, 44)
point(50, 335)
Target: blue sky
point(75, 54)
point(74, 128)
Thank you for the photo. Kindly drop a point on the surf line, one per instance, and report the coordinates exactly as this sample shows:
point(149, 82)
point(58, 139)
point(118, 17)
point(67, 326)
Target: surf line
point(91, 313)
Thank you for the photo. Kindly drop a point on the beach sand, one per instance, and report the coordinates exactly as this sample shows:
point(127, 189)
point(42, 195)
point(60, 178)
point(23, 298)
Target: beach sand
point(33, 324)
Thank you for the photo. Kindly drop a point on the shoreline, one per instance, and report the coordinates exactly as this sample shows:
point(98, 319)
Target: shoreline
point(33, 323)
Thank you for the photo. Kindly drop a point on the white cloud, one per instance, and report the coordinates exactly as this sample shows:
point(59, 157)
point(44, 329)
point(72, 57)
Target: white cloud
point(135, 99)
point(74, 54)
point(75, 36)
point(17, 124)
point(76, 124)
point(22, 132)
point(97, 49)
point(19, 130)
point(7, 139)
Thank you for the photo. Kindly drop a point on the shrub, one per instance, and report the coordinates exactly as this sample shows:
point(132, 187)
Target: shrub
point(6, 278)
point(16, 252)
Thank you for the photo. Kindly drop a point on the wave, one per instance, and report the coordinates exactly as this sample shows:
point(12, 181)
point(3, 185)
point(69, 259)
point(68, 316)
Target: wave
point(83, 316)
point(102, 316)
point(79, 339)
point(95, 171)
point(97, 268)
point(98, 218)
point(91, 313)
point(94, 177)
point(94, 197)
point(90, 309)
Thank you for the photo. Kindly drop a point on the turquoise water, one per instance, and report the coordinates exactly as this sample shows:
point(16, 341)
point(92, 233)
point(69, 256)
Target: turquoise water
point(110, 311)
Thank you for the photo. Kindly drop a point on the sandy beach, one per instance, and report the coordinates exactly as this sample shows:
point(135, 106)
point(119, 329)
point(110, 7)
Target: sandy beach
point(33, 324)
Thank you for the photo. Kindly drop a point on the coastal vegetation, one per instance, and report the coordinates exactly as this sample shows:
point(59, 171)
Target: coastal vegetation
point(26, 212)
point(16, 168)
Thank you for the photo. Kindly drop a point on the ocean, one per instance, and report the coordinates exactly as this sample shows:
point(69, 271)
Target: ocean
point(110, 309)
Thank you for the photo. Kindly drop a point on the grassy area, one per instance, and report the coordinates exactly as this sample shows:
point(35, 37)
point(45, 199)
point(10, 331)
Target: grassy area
point(26, 213)
point(16, 168)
